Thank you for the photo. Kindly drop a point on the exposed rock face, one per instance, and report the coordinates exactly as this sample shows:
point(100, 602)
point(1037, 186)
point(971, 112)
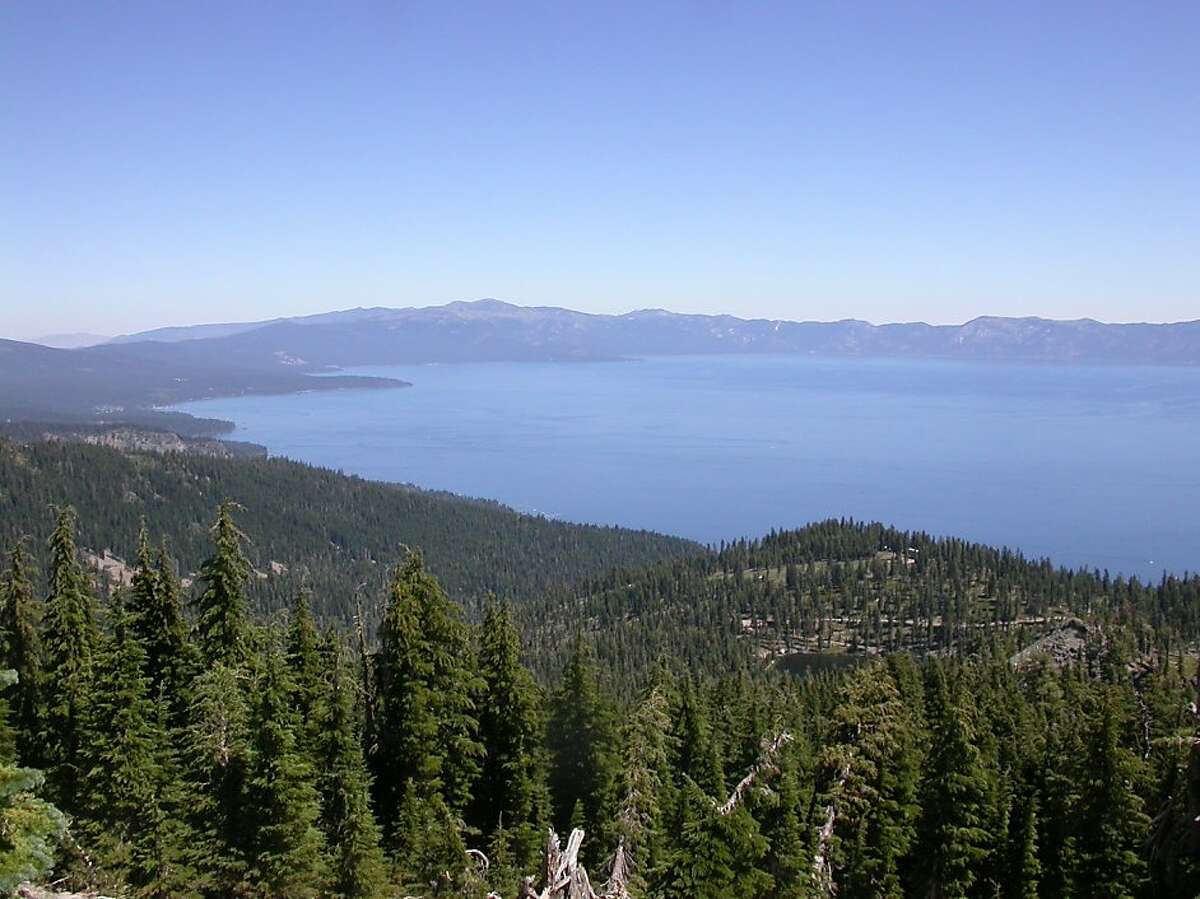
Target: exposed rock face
point(29, 891)
point(1061, 646)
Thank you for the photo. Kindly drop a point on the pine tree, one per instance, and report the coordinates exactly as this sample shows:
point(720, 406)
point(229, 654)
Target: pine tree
point(646, 787)
point(307, 665)
point(30, 827)
point(714, 856)
point(583, 753)
point(698, 758)
point(1027, 868)
point(20, 622)
point(156, 617)
point(510, 732)
point(69, 637)
point(867, 788)
point(789, 858)
point(357, 865)
point(426, 715)
point(286, 849)
point(133, 814)
point(1112, 823)
point(222, 629)
point(431, 857)
point(217, 757)
point(952, 841)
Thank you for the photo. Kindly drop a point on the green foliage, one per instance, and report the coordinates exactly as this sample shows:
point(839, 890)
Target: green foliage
point(356, 860)
point(134, 816)
point(510, 787)
point(69, 638)
point(426, 725)
point(20, 629)
point(286, 849)
point(330, 531)
point(156, 618)
point(582, 739)
point(714, 856)
point(222, 626)
point(217, 757)
point(30, 827)
point(952, 839)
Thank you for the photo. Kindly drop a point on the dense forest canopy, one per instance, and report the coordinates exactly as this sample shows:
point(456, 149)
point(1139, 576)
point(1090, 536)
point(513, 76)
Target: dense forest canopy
point(321, 528)
point(999, 727)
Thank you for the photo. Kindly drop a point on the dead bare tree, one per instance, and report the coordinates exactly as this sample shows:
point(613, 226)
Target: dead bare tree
point(564, 877)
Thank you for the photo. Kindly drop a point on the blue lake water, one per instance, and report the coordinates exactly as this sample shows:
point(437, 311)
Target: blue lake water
point(1092, 466)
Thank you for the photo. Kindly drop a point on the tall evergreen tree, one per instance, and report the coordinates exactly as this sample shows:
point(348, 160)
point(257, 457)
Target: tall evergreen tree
point(156, 617)
point(714, 856)
point(510, 732)
point(30, 827)
point(867, 782)
point(222, 628)
point(305, 654)
point(357, 866)
point(69, 637)
point(952, 841)
point(1112, 822)
point(646, 777)
point(427, 729)
point(217, 757)
point(20, 623)
point(698, 755)
point(583, 752)
point(286, 848)
point(133, 813)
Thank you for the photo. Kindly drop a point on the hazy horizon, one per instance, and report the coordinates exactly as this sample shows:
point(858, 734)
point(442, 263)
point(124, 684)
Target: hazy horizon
point(179, 324)
point(184, 164)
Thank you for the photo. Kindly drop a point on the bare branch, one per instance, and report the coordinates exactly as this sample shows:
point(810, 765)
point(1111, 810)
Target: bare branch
point(765, 765)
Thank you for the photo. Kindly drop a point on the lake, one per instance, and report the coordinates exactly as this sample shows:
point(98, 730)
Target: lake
point(1092, 466)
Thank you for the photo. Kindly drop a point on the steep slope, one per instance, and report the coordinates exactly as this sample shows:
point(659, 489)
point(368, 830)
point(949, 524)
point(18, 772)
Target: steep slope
point(339, 534)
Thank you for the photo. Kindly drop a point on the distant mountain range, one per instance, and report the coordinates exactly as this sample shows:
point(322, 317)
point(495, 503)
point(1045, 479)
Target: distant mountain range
point(168, 365)
point(488, 330)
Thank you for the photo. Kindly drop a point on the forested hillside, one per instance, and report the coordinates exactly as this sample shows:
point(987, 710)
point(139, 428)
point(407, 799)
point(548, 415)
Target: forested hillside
point(332, 532)
point(851, 590)
point(191, 752)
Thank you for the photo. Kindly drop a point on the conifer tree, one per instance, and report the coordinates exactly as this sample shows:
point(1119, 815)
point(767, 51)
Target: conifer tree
point(69, 637)
point(286, 848)
point(1027, 868)
point(20, 622)
point(952, 841)
point(714, 856)
point(789, 858)
point(430, 854)
point(699, 757)
point(304, 653)
point(30, 827)
point(156, 617)
point(583, 754)
point(1112, 823)
point(867, 789)
point(222, 629)
point(646, 788)
point(133, 807)
point(426, 725)
point(510, 732)
point(357, 866)
point(217, 757)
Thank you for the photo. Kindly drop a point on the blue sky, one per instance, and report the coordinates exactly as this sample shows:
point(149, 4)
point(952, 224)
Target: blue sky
point(175, 163)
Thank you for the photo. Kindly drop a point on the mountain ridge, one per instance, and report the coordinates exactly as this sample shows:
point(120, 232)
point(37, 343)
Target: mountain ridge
point(496, 330)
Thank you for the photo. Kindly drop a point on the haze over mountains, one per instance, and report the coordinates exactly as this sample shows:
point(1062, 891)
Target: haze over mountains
point(169, 365)
point(493, 330)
